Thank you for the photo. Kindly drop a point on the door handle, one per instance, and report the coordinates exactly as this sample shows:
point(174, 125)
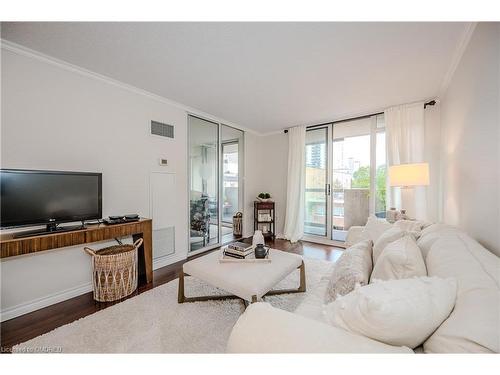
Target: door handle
point(327, 189)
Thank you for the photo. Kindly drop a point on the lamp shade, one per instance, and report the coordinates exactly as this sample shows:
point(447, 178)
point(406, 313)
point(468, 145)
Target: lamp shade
point(409, 175)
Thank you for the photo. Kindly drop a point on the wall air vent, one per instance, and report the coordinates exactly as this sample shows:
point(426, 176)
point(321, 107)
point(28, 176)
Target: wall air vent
point(163, 130)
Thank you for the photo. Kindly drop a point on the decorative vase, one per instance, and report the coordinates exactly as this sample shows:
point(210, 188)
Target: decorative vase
point(404, 215)
point(258, 238)
point(391, 215)
point(260, 251)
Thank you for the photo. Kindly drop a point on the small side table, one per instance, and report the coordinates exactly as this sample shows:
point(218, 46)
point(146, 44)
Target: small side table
point(268, 226)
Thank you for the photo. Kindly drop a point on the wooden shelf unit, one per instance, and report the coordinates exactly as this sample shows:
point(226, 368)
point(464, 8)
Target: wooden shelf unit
point(11, 246)
point(269, 207)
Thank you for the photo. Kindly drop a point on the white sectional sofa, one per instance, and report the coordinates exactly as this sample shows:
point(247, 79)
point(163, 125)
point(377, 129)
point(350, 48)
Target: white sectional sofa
point(472, 327)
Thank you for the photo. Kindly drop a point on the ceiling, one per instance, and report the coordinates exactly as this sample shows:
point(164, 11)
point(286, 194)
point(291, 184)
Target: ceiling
point(262, 76)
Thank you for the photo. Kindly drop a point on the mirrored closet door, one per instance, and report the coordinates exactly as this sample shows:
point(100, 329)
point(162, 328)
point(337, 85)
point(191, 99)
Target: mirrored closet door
point(215, 182)
point(203, 183)
point(231, 179)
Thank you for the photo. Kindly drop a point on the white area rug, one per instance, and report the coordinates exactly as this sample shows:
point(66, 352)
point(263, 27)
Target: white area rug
point(153, 322)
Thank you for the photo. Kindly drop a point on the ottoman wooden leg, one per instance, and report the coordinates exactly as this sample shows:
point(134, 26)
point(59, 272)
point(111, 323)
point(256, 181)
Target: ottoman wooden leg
point(302, 286)
point(180, 296)
point(300, 289)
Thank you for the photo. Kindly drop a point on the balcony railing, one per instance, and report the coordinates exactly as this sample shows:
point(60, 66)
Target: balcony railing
point(354, 204)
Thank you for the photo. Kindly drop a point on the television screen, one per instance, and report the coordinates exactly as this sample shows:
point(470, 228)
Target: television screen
point(31, 197)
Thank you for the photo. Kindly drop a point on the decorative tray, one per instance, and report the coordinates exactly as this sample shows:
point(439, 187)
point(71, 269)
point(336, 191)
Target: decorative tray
point(248, 259)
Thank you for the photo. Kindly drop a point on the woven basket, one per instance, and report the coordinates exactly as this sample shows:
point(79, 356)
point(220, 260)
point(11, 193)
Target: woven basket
point(114, 271)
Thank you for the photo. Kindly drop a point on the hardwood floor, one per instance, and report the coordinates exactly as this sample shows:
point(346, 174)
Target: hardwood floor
point(26, 327)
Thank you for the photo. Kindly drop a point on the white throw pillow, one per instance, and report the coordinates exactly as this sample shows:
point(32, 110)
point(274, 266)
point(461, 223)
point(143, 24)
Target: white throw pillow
point(396, 312)
point(390, 235)
point(400, 259)
point(352, 268)
point(375, 227)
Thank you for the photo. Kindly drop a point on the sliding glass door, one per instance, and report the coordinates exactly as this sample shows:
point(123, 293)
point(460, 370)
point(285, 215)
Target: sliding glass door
point(316, 188)
point(345, 176)
point(351, 175)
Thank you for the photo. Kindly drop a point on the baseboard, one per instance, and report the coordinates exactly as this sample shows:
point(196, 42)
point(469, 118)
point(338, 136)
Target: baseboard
point(167, 260)
point(39, 303)
point(324, 241)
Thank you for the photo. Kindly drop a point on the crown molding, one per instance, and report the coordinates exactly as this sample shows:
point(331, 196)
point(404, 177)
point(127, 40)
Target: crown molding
point(28, 52)
point(25, 51)
point(349, 115)
point(457, 56)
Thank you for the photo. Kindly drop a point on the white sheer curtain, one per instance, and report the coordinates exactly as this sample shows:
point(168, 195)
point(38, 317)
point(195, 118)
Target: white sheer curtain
point(405, 131)
point(295, 197)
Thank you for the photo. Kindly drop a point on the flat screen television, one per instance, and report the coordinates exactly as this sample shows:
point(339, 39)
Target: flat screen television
point(32, 197)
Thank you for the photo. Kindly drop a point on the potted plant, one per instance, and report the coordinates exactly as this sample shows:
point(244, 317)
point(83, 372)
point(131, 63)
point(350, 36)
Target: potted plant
point(264, 197)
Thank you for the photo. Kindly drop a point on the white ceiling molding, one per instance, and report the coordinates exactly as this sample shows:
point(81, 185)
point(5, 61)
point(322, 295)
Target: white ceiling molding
point(457, 56)
point(25, 51)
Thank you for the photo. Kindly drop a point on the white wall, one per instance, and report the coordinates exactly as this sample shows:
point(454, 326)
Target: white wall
point(266, 163)
point(60, 119)
point(470, 140)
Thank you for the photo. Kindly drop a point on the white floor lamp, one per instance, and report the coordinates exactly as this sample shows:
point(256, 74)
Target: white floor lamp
point(407, 176)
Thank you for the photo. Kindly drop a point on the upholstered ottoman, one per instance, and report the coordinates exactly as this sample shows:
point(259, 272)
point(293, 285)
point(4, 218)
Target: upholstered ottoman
point(248, 281)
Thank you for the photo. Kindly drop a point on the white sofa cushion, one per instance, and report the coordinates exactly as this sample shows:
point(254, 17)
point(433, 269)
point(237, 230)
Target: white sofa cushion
point(265, 329)
point(352, 268)
point(474, 324)
point(396, 312)
point(431, 234)
point(400, 259)
point(375, 227)
point(312, 306)
point(411, 225)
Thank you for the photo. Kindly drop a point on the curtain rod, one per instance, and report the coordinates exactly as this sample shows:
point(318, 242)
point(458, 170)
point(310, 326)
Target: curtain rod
point(432, 102)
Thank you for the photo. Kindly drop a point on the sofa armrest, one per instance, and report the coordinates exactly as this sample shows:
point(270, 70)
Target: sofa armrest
point(265, 329)
point(355, 234)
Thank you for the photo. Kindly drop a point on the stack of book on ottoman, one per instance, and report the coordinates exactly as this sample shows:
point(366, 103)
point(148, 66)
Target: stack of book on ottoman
point(239, 250)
